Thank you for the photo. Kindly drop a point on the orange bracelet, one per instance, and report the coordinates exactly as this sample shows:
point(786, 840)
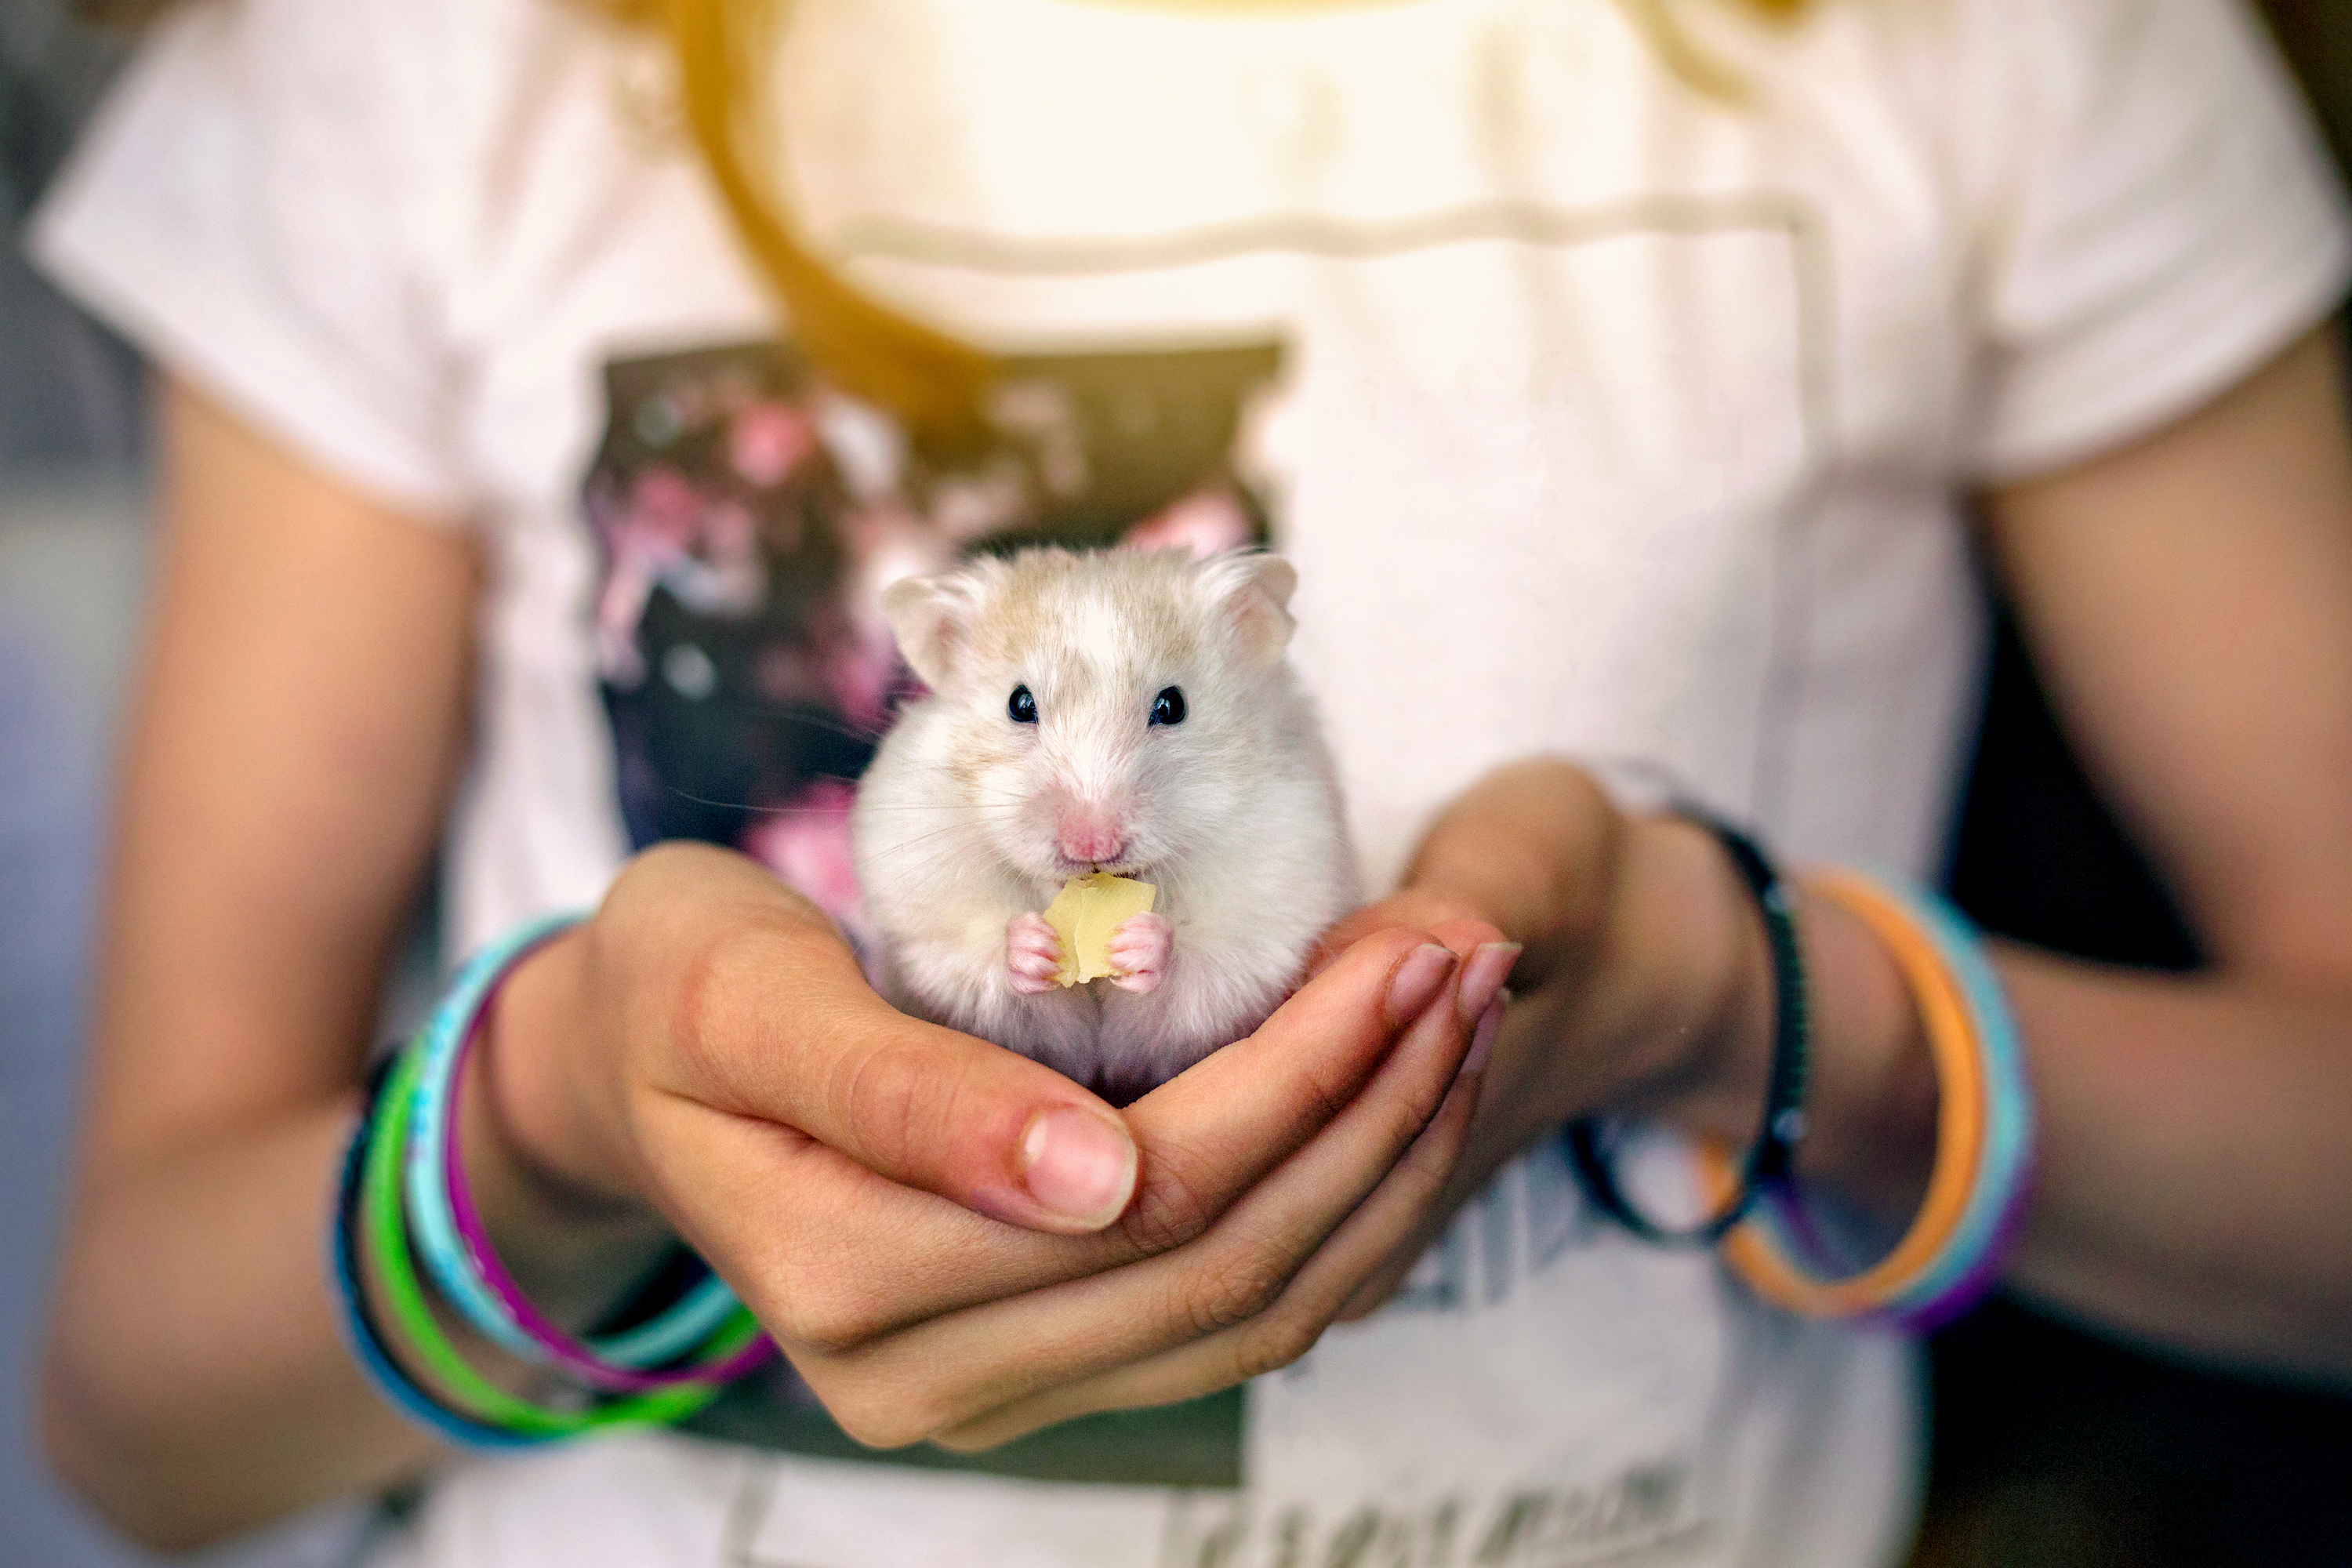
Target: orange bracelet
point(1959, 1132)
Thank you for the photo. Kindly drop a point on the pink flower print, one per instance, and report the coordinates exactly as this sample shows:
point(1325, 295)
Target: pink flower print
point(861, 670)
point(1204, 522)
point(788, 675)
point(668, 534)
point(729, 534)
point(725, 575)
point(885, 543)
point(974, 505)
point(663, 506)
point(618, 609)
point(806, 843)
point(644, 534)
point(767, 440)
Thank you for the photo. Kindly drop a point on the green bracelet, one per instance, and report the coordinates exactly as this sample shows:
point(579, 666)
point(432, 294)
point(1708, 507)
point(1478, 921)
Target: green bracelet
point(478, 1397)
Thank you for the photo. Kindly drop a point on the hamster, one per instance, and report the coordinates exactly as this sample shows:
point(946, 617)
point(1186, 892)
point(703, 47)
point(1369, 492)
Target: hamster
point(1123, 712)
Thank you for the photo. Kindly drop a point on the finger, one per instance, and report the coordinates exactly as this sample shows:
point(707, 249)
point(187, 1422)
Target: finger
point(1471, 1174)
point(1414, 908)
point(773, 1025)
point(831, 1254)
point(1359, 1250)
point(1374, 1290)
point(1216, 1130)
point(945, 1373)
point(825, 1252)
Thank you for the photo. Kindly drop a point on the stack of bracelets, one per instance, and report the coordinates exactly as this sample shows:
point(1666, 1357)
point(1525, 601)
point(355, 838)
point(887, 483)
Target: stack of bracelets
point(403, 1194)
point(1977, 1191)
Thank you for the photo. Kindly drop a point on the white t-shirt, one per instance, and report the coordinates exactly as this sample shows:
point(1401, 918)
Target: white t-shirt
point(1597, 413)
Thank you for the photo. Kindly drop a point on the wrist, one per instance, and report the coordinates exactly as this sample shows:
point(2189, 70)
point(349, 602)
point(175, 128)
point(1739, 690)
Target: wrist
point(1870, 1104)
point(412, 1193)
point(553, 1184)
point(1872, 1111)
point(1648, 955)
point(1694, 1030)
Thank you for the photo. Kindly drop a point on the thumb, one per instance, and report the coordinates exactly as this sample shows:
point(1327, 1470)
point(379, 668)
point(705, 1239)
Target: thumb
point(798, 1037)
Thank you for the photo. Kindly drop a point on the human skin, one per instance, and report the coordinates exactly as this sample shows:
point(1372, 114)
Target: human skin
point(701, 1059)
point(2189, 599)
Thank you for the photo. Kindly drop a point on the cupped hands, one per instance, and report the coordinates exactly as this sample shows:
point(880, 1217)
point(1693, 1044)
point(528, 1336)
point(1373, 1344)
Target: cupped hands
point(950, 1241)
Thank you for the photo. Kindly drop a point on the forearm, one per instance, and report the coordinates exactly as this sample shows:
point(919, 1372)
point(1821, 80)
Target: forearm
point(2196, 1160)
point(195, 1383)
point(305, 701)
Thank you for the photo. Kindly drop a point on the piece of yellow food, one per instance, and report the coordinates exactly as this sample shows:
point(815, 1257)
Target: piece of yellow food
point(1084, 913)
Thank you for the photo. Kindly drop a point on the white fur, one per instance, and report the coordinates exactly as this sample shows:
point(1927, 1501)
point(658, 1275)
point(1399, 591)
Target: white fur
point(1233, 815)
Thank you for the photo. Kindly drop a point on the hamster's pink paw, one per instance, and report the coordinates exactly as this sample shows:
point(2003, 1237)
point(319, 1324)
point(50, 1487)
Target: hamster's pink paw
point(1139, 951)
point(1032, 954)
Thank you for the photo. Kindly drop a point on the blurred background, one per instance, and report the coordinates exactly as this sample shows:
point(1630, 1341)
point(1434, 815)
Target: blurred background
point(2053, 1446)
point(73, 559)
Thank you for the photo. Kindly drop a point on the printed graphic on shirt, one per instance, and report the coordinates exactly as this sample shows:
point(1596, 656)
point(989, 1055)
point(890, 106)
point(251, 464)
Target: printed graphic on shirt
point(1580, 447)
point(1645, 1512)
point(812, 1515)
point(750, 517)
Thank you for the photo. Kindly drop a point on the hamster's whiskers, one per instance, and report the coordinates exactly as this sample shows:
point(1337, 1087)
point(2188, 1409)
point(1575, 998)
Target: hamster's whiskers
point(906, 844)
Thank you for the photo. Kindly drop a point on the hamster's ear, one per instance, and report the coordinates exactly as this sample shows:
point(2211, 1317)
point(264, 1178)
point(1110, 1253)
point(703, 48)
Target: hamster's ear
point(931, 617)
point(1253, 590)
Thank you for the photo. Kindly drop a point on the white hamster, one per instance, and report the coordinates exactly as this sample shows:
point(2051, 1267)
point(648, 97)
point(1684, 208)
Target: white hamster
point(1117, 711)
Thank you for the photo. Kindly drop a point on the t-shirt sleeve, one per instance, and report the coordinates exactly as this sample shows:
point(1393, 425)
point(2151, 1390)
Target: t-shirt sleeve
point(2160, 221)
point(246, 210)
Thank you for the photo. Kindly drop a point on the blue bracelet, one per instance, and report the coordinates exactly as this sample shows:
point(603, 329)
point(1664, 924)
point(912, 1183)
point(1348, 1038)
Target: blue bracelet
point(675, 1333)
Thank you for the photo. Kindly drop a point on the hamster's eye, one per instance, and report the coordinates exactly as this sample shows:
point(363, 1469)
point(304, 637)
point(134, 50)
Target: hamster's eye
point(1168, 708)
point(1023, 707)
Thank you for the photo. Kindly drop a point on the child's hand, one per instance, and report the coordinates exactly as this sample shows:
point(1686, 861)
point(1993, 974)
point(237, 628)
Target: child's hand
point(948, 1240)
point(1639, 983)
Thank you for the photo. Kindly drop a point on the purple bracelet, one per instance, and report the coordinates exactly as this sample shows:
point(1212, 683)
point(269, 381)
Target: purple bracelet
point(1953, 1302)
point(1950, 1304)
point(561, 1347)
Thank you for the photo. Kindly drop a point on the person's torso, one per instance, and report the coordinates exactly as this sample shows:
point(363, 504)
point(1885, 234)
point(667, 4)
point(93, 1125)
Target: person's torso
point(1598, 415)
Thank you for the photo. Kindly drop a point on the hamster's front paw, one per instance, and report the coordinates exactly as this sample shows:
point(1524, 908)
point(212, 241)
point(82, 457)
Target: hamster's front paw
point(1139, 951)
point(1032, 954)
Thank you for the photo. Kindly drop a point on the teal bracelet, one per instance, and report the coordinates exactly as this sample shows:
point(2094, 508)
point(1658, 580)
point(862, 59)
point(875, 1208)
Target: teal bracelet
point(1970, 1262)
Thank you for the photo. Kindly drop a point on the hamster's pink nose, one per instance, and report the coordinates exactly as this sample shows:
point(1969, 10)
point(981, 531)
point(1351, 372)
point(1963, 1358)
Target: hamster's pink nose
point(1091, 837)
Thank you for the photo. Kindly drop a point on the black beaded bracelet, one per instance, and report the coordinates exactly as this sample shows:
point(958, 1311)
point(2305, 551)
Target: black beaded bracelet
point(1772, 1161)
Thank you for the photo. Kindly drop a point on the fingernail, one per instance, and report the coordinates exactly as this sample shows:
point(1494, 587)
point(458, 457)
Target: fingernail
point(1482, 1042)
point(1078, 1166)
point(1483, 976)
point(1417, 980)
